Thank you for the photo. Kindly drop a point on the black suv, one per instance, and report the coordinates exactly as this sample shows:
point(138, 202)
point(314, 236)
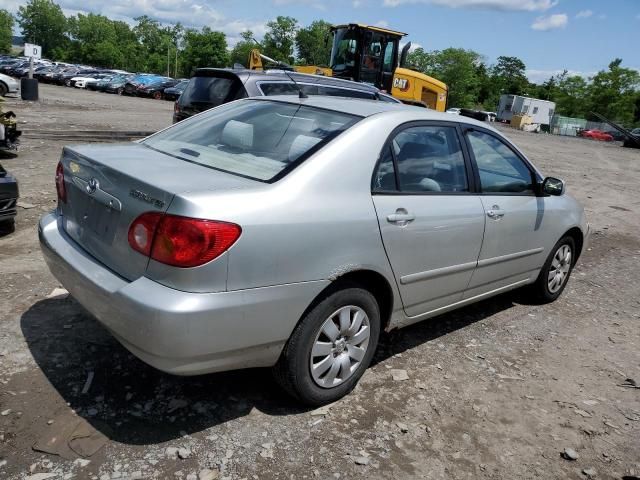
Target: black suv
point(210, 87)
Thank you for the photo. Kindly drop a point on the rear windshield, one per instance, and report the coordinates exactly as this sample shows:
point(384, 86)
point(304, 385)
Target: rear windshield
point(209, 91)
point(261, 140)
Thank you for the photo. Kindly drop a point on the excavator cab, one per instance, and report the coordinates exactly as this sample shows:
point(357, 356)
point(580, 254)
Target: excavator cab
point(365, 54)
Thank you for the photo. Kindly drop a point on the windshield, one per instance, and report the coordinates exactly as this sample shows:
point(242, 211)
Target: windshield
point(261, 140)
point(343, 52)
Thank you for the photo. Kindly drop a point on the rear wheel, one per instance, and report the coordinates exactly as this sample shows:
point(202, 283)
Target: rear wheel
point(3, 89)
point(331, 347)
point(120, 91)
point(157, 95)
point(556, 271)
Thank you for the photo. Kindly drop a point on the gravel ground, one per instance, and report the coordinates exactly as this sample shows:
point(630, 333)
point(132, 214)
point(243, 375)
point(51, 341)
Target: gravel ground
point(496, 390)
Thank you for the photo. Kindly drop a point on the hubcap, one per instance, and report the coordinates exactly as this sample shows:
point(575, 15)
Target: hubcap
point(339, 346)
point(559, 269)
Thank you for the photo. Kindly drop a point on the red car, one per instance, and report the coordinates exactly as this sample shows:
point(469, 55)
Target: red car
point(596, 135)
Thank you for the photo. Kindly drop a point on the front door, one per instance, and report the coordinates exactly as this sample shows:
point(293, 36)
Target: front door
point(513, 249)
point(431, 223)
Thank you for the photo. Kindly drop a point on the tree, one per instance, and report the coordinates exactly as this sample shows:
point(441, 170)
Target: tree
point(313, 43)
point(206, 48)
point(280, 37)
point(242, 49)
point(613, 93)
point(509, 75)
point(569, 93)
point(6, 31)
point(456, 67)
point(43, 23)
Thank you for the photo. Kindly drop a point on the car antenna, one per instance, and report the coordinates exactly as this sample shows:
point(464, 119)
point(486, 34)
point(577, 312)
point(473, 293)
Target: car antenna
point(301, 94)
point(286, 69)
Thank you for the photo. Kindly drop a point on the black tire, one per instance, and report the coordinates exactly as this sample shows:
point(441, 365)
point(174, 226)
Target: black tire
point(293, 371)
point(540, 290)
point(7, 226)
point(3, 89)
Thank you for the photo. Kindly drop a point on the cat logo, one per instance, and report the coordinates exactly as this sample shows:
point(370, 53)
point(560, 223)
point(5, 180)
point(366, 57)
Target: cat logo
point(401, 83)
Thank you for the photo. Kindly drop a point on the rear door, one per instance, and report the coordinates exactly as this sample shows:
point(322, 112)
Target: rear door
point(431, 222)
point(518, 222)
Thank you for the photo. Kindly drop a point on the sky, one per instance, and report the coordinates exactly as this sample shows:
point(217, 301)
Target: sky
point(581, 36)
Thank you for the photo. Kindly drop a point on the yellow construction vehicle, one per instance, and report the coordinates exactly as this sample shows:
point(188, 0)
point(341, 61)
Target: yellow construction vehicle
point(372, 55)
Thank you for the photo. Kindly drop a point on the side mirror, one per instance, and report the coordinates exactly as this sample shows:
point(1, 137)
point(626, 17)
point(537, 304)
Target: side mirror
point(553, 186)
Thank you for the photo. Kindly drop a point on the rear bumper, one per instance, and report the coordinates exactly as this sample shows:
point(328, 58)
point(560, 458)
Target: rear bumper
point(179, 332)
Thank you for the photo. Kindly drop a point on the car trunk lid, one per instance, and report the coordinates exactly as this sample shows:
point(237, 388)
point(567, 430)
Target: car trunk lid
point(109, 186)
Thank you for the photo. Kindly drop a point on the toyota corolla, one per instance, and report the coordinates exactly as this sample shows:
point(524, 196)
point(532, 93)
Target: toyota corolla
point(289, 232)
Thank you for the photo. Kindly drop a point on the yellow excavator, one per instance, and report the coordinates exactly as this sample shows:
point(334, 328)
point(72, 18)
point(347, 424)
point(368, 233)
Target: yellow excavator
point(372, 55)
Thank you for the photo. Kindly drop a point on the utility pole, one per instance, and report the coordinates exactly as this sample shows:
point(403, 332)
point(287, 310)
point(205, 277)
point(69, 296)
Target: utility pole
point(176, 66)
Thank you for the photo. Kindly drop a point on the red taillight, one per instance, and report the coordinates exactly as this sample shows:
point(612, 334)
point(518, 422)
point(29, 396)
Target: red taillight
point(181, 241)
point(60, 188)
point(176, 107)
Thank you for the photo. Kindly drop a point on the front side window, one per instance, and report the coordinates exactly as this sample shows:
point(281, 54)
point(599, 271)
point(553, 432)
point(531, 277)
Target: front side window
point(501, 170)
point(252, 138)
point(284, 88)
point(427, 159)
point(343, 53)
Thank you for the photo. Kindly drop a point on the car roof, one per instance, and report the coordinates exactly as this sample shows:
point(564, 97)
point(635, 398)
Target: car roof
point(245, 75)
point(367, 108)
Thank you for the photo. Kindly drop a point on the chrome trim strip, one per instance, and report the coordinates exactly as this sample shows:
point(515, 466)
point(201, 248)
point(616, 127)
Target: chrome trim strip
point(512, 256)
point(438, 272)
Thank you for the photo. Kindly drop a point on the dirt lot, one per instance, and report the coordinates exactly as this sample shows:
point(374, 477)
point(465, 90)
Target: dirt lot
point(497, 390)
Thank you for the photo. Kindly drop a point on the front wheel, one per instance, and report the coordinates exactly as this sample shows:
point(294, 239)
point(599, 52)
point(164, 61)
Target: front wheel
point(331, 347)
point(3, 89)
point(556, 271)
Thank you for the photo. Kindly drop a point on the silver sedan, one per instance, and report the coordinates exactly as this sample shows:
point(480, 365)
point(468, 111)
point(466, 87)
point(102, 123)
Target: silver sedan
point(288, 233)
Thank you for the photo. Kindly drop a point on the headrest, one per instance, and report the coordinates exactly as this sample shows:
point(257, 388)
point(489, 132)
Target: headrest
point(237, 135)
point(300, 145)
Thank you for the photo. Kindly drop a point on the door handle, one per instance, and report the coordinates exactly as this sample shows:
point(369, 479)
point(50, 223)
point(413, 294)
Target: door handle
point(495, 213)
point(401, 217)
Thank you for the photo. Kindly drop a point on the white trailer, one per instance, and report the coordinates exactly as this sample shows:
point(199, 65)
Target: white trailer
point(541, 111)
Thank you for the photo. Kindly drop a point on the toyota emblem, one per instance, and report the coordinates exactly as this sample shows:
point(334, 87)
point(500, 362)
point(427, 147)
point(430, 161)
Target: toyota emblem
point(92, 186)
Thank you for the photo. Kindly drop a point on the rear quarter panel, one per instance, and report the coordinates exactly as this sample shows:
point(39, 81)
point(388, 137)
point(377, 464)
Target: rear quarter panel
point(316, 223)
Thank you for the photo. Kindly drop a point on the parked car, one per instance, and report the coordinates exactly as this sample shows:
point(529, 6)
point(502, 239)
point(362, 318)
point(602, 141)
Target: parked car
point(454, 111)
point(172, 93)
point(116, 84)
point(155, 89)
point(289, 232)
point(132, 84)
point(595, 134)
point(70, 81)
point(8, 201)
point(8, 85)
point(629, 142)
point(210, 87)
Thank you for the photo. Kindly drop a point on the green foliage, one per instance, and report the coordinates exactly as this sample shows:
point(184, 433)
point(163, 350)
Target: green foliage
point(313, 44)
point(280, 37)
point(613, 92)
point(508, 74)
point(6, 31)
point(242, 49)
point(204, 48)
point(43, 23)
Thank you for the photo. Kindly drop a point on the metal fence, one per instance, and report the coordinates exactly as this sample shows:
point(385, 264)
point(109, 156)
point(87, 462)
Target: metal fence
point(571, 126)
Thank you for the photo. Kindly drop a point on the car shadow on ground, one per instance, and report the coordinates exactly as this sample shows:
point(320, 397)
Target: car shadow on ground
point(133, 403)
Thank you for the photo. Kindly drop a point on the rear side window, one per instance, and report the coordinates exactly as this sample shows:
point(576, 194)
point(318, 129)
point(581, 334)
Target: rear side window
point(429, 159)
point(257, 139)
point(210, 91)
point(286, 88)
